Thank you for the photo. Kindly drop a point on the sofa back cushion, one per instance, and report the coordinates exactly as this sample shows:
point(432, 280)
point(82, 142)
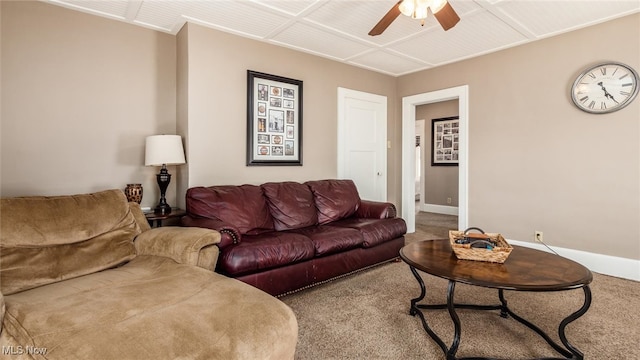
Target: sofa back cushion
point(243, 207)
point(335, 199)
point(291, 204)
point(49, 239)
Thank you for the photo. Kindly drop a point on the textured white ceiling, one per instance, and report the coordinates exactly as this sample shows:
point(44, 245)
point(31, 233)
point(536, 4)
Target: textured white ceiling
point(337, 29)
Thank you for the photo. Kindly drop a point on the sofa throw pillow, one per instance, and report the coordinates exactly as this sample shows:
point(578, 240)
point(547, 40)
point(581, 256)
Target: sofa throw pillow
point(335, 199)
point(49, 239)
point(291, 205)
point(244, 207)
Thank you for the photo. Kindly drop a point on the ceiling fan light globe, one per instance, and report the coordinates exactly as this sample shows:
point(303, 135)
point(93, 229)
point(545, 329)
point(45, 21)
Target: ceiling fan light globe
point(420, 12)
point(406, 7)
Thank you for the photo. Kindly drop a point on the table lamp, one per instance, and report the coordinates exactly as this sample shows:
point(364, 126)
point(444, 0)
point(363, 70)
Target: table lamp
point(163, 150)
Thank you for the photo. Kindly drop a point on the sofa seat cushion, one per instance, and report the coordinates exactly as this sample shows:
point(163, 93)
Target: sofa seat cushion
point(48, 239)
point(335, 199)
point(331, 239)
point(265, 251)
point(244, 207)
point(375, 231)
point(292, 205)
point(151, 308)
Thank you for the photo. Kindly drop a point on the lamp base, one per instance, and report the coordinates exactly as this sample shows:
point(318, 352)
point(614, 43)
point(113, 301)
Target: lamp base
point(162, 209)
point(163, 178)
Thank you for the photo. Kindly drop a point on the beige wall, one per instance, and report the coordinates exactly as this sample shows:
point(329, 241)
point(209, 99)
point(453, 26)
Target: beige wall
point(79, 95)
point(536, 162)
point(217, 99)
point(441, 182)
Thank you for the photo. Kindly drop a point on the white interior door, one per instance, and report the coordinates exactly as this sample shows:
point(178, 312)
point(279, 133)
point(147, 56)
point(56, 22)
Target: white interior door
point(362, 142)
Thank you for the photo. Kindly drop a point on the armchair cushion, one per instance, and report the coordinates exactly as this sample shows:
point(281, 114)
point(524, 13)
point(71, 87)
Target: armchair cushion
point(182, 244)
point(243, 207)
point(335, 199)
point(48, 239)
point(142, 221)
point(291, 204)
point(152, 308)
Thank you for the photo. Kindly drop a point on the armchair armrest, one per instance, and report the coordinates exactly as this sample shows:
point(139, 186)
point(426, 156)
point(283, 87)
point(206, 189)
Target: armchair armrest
point(191, 246)
point(376, 210)
point(229, 234)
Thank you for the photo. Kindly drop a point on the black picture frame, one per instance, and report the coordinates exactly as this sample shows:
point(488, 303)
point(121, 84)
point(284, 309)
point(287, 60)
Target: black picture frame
point(268, 118)
point(445, 141)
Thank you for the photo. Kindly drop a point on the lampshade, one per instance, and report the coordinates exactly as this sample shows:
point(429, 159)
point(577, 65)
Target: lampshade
point(164, 150)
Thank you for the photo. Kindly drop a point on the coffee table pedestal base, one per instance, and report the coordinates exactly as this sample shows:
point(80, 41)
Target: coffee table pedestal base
point(567, 352)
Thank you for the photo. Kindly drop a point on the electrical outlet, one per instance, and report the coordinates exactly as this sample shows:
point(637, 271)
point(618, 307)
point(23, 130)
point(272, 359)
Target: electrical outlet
point(538, 236)
point(448, 200)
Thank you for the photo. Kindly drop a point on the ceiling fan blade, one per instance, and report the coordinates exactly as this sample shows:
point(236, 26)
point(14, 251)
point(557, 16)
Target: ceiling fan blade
point(386, 20)
point(447, 17)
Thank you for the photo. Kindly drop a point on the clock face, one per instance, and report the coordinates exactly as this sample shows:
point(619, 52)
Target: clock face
point(605, 88)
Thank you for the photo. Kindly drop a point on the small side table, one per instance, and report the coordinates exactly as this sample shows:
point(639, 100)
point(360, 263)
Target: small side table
point(153, 217)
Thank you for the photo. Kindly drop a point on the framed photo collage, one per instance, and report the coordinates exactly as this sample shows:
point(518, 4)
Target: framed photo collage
point(445, 141)
point(274, 120)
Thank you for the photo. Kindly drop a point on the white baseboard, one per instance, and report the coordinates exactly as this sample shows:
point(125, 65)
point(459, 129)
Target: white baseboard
point(602, 264)
point(440, 209)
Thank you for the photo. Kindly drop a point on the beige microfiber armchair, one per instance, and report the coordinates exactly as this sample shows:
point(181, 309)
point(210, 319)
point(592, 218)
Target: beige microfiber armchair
point(85, 277)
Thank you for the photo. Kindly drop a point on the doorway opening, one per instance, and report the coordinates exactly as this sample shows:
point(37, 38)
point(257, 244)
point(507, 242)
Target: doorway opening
point(420, 168)
point(409, 104)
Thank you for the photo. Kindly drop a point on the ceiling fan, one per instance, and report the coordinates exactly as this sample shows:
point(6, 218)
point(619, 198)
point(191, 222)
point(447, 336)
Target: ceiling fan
point(418, 9)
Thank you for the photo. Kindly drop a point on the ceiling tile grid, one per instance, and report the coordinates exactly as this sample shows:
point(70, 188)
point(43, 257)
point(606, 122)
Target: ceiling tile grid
point(163, 15)
point(338, 29)
point(546, 18)
point(389, 63)
point(111, 9)
point(471, 37)
point(290, 7)
point(318, 41)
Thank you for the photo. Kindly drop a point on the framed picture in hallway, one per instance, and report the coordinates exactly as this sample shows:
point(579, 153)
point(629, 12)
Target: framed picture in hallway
point(445, 141)
point(274, 111)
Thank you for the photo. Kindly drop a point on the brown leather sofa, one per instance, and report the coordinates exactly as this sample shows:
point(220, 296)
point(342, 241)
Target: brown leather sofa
point(285, 236)
point(85, 277)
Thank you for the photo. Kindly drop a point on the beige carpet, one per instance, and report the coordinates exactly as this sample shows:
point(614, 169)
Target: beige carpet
point(365, 316)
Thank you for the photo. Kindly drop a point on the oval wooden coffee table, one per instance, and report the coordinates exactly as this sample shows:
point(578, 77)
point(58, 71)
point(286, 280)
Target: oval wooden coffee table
point(525, 270)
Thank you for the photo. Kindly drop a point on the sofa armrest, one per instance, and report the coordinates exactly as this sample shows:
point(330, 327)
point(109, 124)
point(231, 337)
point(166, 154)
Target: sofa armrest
point(376, 210)
point(228, 234)
point(191, 246)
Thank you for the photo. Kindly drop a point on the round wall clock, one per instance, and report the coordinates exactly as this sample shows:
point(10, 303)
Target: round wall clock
point(605, 88)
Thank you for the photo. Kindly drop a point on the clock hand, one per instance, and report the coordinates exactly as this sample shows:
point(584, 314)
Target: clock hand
point(606, 94)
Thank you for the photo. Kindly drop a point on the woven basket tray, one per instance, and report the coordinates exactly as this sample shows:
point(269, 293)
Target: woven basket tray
point(498, 254)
